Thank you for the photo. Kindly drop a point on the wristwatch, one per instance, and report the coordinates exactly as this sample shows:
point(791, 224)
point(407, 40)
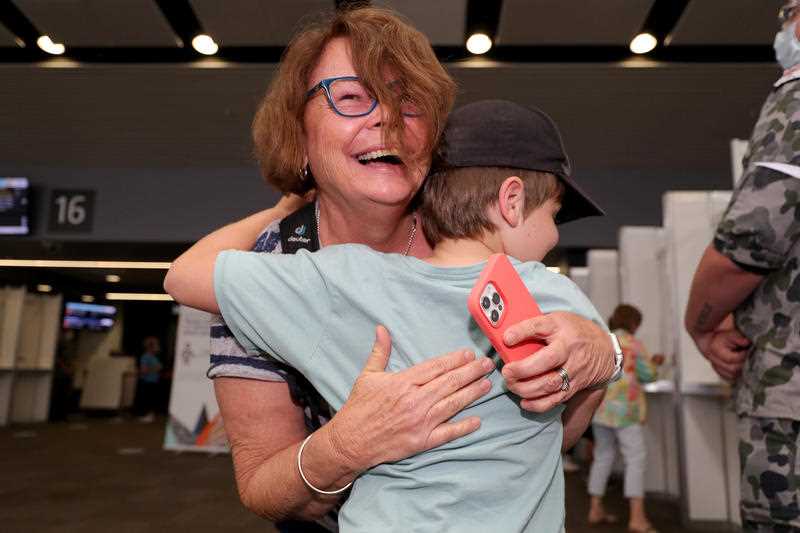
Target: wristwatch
point(617, 366)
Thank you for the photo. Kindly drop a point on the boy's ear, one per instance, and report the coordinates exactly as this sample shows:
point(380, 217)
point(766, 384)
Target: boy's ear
point(511, 200)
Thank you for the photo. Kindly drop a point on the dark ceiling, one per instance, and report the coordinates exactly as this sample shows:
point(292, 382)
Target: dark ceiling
point(153, 31)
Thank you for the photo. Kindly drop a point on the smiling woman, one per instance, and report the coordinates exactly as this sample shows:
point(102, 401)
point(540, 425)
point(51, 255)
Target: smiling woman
point(377, 58)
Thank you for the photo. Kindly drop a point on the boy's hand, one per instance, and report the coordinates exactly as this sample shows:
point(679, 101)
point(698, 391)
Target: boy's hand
point(292, 202)
point(575, 343)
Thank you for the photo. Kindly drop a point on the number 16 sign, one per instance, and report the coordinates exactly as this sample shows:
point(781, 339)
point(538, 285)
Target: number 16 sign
point(71, 211)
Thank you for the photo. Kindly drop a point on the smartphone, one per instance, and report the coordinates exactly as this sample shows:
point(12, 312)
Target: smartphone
point(499, 300)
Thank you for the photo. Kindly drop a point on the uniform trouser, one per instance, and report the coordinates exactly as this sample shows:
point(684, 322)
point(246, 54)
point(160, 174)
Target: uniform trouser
point(634, 454)
point(769, 455)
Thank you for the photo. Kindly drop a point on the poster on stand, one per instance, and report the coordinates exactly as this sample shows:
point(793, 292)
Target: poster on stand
point(194, 423)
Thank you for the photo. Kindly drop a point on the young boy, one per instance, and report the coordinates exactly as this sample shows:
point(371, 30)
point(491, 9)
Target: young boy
point(507, 475)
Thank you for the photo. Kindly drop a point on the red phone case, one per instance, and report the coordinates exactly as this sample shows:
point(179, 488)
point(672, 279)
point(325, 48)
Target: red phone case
point(516, 303)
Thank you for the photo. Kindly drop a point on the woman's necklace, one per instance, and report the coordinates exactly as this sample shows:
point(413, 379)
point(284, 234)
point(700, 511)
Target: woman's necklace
point(412, 234)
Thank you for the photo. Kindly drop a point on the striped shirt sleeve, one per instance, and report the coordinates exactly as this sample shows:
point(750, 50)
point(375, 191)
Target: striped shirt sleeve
point(228, 357)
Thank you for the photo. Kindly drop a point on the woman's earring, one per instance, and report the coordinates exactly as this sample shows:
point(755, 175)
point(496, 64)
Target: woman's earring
point(304, 173)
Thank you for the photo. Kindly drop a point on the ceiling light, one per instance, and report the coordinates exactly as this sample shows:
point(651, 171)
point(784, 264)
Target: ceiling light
point(87, 298)
point(58, 263)
point(557, 270)
point(643, 43)
point(112, 278)
point(47, 44)
point(479, 43)
point(205, 44)
point(139, 296)
point(44, 288)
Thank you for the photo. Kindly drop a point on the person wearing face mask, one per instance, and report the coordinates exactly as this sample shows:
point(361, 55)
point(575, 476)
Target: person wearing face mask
point(744, 305)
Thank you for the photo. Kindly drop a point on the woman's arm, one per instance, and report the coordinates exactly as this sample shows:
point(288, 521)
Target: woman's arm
point(190, 279)
point(388, 416)
point(575, 343)
point(646, 370)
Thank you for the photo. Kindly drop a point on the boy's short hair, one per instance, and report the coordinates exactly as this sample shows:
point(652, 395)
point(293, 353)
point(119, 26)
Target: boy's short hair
point(455, 201)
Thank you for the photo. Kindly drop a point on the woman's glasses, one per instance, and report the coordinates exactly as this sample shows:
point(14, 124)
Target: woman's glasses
point(348, 97)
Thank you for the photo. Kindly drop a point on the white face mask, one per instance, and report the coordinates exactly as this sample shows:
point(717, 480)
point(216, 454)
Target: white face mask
point(787, 48)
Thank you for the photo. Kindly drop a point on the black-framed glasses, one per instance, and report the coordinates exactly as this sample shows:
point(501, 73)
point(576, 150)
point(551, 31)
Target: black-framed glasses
point(348, 97)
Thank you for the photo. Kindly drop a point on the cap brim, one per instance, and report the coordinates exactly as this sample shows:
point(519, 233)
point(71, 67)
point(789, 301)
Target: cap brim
point(576, 204)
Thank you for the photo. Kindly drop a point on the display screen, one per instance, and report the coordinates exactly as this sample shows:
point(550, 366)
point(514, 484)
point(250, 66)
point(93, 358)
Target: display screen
point(14, 206)
point(89, 316)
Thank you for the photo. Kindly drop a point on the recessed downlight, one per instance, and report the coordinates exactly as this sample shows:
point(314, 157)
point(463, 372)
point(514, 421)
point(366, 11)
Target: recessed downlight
point(479, 43)
point(204, 44)
point(643, 43)
point(46, 43)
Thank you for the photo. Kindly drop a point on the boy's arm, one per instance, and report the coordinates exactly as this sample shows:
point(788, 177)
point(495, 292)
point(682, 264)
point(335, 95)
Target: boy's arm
point(578, 415)
point(190, 279)
point(275, 303)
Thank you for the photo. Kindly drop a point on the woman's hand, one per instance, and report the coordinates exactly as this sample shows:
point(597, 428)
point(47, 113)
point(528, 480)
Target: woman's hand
point(575, 343)
point(392, 416)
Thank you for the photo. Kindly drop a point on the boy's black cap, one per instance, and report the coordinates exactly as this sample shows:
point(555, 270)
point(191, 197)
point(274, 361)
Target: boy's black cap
point(499, 133)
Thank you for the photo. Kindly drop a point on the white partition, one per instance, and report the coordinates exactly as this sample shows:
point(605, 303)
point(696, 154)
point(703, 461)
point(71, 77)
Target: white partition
point(580, 275)
point(690, 219)
point(11, 301)
point(640, 250)
point(38, 332)
point(603, 280)
point(27, 354)
point(708, 459)
point(641, 257)
point(662, 474)
point(104, 387)
point(30, 401)
point(95, 344)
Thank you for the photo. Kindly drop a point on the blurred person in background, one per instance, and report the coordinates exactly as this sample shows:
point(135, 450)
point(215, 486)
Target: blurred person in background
point(618, 423)
point(149, 378)
point(744, 306)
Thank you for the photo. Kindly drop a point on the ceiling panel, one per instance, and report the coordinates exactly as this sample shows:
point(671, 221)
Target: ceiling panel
point(6, 37)
point(100, 23)
point(556, 22)
point(443, 21)
point(256, 22)
point(727, 22)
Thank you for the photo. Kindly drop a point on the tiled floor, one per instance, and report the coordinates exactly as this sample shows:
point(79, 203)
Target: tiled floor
point(105, 475)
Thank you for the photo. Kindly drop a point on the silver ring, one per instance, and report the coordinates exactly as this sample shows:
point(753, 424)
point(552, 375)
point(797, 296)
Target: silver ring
point(564, 379)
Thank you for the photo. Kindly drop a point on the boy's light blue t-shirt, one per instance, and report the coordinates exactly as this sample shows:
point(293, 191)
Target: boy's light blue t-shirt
point(317, 312)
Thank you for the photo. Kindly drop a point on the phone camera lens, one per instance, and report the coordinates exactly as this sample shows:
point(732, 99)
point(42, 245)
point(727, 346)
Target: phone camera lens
point(485, 302)
point(495, 316)
point(496, 298)
point(500, 307)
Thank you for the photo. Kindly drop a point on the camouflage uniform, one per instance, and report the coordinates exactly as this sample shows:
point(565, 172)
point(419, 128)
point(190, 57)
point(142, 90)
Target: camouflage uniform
point(760, 232)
